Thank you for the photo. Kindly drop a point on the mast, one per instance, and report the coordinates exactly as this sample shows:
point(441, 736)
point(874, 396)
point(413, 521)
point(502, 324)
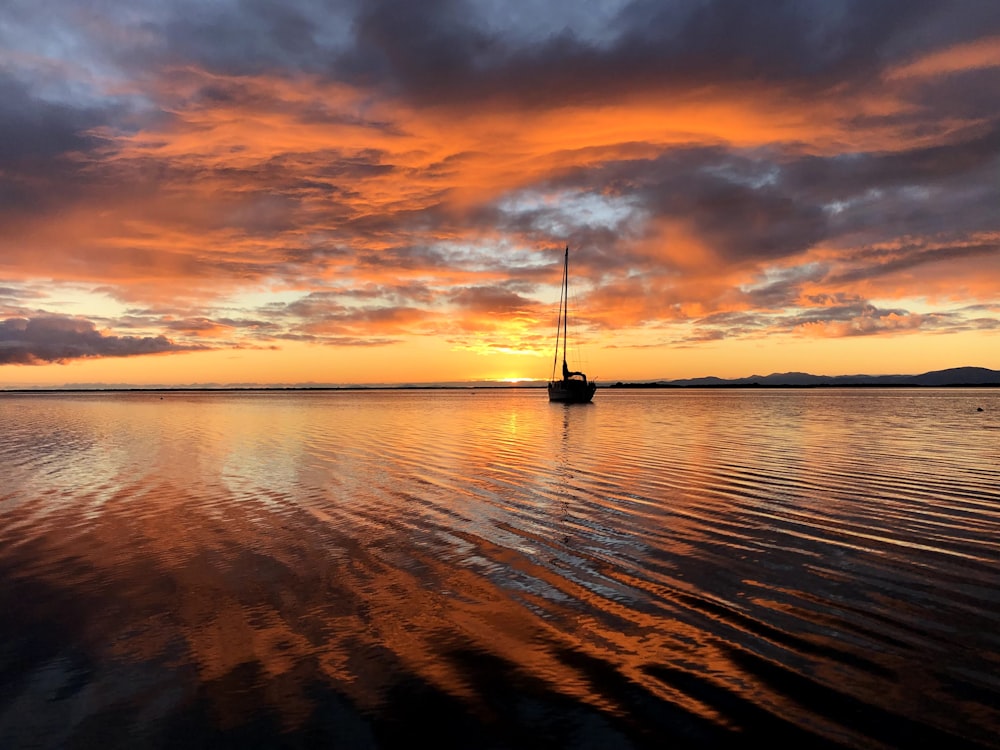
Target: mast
point(561, 324)
point(565, 306)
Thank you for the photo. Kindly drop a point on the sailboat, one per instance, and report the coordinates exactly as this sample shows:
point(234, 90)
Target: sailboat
point(573, 388)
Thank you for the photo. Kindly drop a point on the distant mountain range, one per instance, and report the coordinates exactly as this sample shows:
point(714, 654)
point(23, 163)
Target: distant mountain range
point(967, 376)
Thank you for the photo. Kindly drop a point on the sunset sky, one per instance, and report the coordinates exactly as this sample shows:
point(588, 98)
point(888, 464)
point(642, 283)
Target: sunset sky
point(297, 191)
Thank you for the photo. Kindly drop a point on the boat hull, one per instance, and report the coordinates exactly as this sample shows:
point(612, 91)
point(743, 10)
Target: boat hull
point(572, 391)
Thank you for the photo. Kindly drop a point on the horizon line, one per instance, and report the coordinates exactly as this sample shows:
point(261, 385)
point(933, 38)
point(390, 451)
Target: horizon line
point(527, 383)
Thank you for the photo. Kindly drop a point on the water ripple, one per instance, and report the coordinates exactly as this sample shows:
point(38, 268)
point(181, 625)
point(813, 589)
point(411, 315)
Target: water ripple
point(695, 567)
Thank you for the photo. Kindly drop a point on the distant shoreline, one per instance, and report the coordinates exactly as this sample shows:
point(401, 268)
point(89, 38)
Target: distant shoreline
point(615, 386)
point(786, 386)
point(955, 377)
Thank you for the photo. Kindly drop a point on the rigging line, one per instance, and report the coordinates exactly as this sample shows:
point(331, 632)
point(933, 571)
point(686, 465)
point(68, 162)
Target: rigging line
point(566, 296)
point(561, 323)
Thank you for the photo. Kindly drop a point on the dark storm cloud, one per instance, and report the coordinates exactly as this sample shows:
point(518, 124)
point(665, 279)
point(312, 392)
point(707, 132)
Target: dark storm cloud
point(873, 264)
point(57, 338)
point(36, 137)
point(932, 190)
point(250, 36)
point(771, 203)
point(742, 222)
point(450, 50)
point(32, 128)
point(966, 94)
point(443, 50)
point(738, 203)
point(837, 177)
point(430, 49)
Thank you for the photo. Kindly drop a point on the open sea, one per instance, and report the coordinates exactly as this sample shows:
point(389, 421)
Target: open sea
point(483, 569)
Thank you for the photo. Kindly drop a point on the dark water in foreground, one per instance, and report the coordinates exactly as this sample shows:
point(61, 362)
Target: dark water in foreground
point(488, 570)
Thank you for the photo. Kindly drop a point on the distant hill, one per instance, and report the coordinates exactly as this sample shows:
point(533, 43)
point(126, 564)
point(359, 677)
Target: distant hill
point(967, 376)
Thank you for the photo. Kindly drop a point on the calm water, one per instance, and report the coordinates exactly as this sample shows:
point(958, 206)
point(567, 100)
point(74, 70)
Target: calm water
point(484, 569)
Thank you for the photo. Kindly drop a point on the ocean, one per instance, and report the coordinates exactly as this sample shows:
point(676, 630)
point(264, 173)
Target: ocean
point(480, 568)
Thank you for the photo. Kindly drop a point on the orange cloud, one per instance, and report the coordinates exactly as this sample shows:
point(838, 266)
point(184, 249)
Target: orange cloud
point(974, 55)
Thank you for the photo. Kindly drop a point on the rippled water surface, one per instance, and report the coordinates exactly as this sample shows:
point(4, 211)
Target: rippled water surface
point(485, 569)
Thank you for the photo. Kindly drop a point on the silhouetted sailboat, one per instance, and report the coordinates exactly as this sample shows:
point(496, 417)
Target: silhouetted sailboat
point(574, 387)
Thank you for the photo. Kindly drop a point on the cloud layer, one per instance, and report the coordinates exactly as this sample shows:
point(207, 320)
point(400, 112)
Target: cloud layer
point(243, 174)
point(58, 339)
